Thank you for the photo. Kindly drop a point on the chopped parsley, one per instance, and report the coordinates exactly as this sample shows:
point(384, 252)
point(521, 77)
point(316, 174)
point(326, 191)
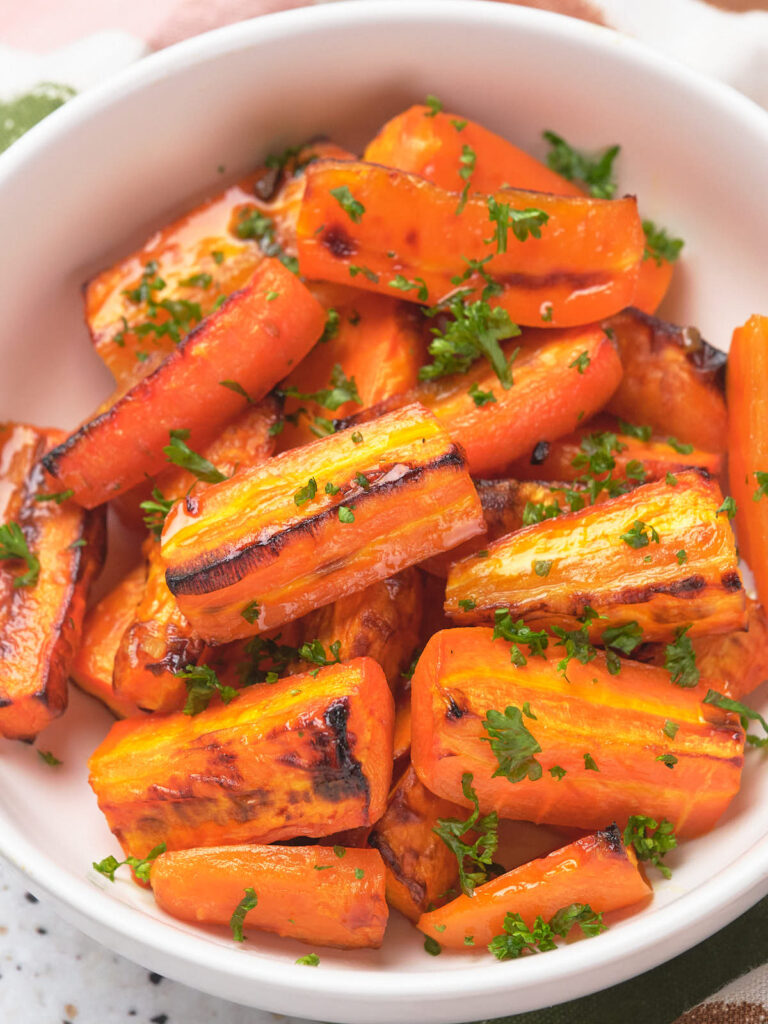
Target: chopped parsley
point(155, 510)
point(537, 512)
point(348, 203)
point(251, 612)
point(590, 765)
point(418, 284)
point(746, 714)
point(467, 604)
point(202, 683)
point(251, 224)
point(679, 446)
point(681, 556)
point(513, 745)
point(249, 902)
point(432, 946)
point(180, 454)
point(643, 433)
point(342, 389)
point(434, 105)
point(576, 644)
point(671, 479)
point(48, 758)
point(521, 222)
point(201, 280)
point(467, 160)
point(518, 938)
point(660, 246)
point(668, 759)
point(542, 566)
point(651, 840)
point(59, 496)
point(331, 488)
point(557, 772)
point(479, 853)
point(581, 362)
point(762, 486)
point(232, 385)
point(357, 437)
point(476, 330)
point(306, 493)
point(480, 397)
point(641, 535)
point(594, 172)
point(680, 659)
point(308, 960)
point(346, 515)
point(518, 634)
point(13, 546)
point(141, 865)
point(371, 275)
point(331, 328)
point(313, 651)
point(728, 506)
point(670, 728)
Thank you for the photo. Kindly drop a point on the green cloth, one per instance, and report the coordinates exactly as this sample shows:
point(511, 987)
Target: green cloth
point(661, 995)
point(22, 113)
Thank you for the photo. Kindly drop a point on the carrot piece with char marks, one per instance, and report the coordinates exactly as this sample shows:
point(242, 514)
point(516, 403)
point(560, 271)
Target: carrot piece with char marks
point(324, 895)
point(40, 619)
point(621, 559)
point(748, 444)
point(318, 523)
point(306, 756)
point(582, 268)
point(597, 870)
point(603, 734)
point(252, 340)
point(549, 397)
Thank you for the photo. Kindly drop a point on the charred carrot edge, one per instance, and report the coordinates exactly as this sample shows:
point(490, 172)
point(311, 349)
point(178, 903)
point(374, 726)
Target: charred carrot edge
point(736, 663)
point(748, 444)
point(307, 756)
point(550, 396)
point(604, 732)
point(252, 340)
point(420, 867)
point(582, 268)
point(595, 557)
point(194, 261)
point(428, 143)
point(93, 665)
point(40, 624)
point(261, 549)
point(324, 895)
point(553, 460)
point(673, 380)
point(597, 870)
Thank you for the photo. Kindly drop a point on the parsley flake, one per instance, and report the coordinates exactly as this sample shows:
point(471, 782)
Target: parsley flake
point(522, 223)
point(306, 493)
point(232, 385)
point(371, 275)
point(155, 510)
point(594, 172)
point(348, 203)
point(434, 105)
point(59, 496)
point(581, 362)
point(480, 852)
point(480, 397)
point(651, 839)
point(679, 447)
point(48, 757)
point(728, 506)
point(141, 865)
point(180, 454)
point(202, 683)
point(762, 486)
point(13, 546)
point(513, 745)
point(467, 160)
point(668, 759)
point(308, 960)
point(518, 938)
point(670, 728)
point(590, 765)
point(680, 660)
point(251, 612)
point(418, 284)
point(476, 330)
point(746, 714)
point(542, 566)
point(660, 246)
point(249, 902)
point(342, 389)
point(641, 535)
point(346, 515)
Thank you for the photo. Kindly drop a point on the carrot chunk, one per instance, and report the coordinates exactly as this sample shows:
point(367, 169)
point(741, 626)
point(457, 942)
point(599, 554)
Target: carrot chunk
point(594, 748)
point(252, 341)
point(307, 756)
point(318, 523)
point(324, 895)
point(583, 266)
point(597, 870)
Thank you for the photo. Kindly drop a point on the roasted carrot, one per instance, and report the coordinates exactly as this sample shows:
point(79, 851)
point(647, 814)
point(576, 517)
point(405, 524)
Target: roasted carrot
point(251, 341)
point(50, 552)
point(139, 308)
point(597, 870)
point(583, 266)
point(653, 283)
point(376, 340)
point(420, 867)
point(662, 557)
point(318, 523)
point(550, 395)
point(736, 663)
point(673, 380)
point(598, 738)
point(430, 143)
point(325, 895)
point(381, 622)
point(93, 665)
point(306, 756)
point(748, 444)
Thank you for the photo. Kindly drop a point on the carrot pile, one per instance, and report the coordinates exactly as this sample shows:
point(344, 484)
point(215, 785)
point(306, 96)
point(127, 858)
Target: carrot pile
point(436, 602)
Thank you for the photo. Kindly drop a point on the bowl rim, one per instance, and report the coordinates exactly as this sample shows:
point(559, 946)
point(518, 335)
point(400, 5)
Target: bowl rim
point(655, 936)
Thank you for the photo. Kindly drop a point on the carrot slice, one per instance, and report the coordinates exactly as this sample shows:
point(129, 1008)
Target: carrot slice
point(582, 268)
point(653, 283)
point(673, 380)
point(621, 559)
point(252, 341)
point(550, 395)
point(597, 870)
point(318, 523)
point(604, 731)
point(307, 756)
point(139, 308)
point(40, 618)
point(103, 627)
point(748, 444)
point(325, 895)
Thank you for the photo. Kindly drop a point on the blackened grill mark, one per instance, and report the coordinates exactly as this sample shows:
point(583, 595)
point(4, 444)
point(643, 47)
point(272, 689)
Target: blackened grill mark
point(454, 711)
point(731, 580)
point(201, 577)
point(338, 776)
point(540, 453)
point(416, 890)
point(709, 361)
point(181, 652)
point(338, 242)
point(611, 837)
point(572, 279)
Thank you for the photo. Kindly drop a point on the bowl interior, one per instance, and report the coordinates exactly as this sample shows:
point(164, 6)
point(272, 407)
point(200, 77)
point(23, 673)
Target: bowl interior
point(103, 173)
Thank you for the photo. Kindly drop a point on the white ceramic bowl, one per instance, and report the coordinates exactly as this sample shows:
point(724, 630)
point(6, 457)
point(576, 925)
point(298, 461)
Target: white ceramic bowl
point(102, 172)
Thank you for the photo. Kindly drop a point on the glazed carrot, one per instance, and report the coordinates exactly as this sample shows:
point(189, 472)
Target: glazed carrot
point(736, 663)
point(748, 444)
point(597, 870)
point(381, 622)
point(621, 560)
point(159, 641)
point(420, 867)
point(306, 756)
point(653, 283)
point(318, 523)
point(379, 344)
point(325, 895)
point(430, 144)
point(673, 380)
point(139, 308)
point(549, 397)
point(252, 340)
point(51, 552)
point(604, 731)
point(583, 267)
point(103, 627)
point(554, 460)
